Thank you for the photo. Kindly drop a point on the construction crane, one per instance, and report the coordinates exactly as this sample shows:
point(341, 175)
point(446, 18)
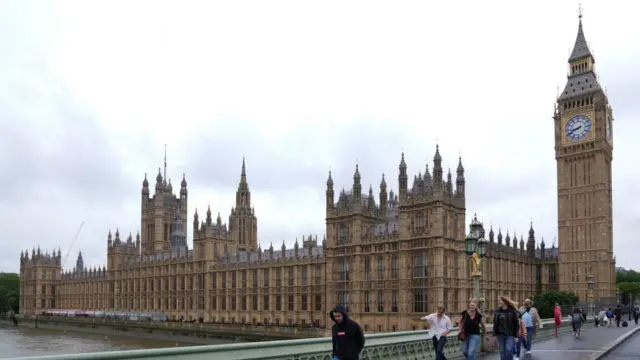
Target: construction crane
point(73, 242)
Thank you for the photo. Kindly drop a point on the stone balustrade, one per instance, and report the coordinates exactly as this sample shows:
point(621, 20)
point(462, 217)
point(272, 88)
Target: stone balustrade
point(403, 345)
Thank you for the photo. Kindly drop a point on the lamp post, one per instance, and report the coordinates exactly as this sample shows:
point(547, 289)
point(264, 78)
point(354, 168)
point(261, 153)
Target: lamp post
point(475, 245)
point(592, 285)
point(617, 295)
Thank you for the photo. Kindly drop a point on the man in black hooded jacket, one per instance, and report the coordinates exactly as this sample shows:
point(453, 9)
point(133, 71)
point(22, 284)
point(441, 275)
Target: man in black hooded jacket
point(346, 335)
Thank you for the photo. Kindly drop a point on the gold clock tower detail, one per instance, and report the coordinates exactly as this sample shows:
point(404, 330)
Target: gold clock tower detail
point(583, 124)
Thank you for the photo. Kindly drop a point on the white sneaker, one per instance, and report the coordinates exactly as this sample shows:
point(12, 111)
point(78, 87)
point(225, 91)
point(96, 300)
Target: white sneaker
point(528, 352)
point(515, 358)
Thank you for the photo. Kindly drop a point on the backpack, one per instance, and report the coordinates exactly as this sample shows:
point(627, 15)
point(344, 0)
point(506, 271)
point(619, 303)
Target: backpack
point(576, 317)
point(609, 314)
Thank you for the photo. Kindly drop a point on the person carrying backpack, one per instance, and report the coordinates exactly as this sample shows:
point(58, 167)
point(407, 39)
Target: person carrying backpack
point(577, 319)
point(609, 318)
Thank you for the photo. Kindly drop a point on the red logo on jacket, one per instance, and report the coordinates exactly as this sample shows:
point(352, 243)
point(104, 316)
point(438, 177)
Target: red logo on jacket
point(342, 333)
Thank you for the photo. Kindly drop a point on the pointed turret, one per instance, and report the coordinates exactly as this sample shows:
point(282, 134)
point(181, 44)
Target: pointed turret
point(145, 185)
point(403, 179)
point(460, 181)
point(243, 195)
point(384, 202)
point(183, 186)
point(243, 173)
point(491, 239)
point(357, 186)
point(531, 240)
point(437, 170)
point(499, 236)
point(196, 220)
point(159, 184)
point(449, 186)
point(80, 262)
point(330, 199)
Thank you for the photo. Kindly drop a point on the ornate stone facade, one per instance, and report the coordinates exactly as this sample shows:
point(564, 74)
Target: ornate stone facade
point(390, 264)
point(583, 122)
point(390, 258)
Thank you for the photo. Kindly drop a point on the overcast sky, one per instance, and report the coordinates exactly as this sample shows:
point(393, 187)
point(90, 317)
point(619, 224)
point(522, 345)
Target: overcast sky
point(91, 91)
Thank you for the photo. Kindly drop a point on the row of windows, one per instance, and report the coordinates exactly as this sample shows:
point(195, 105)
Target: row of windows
point(419, 301)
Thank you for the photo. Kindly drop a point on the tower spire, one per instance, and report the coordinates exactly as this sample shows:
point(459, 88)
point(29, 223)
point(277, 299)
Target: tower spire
point(580, 47)
point(165, 163)
point(243, 173)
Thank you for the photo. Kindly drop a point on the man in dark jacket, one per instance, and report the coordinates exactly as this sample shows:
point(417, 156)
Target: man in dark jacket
point(618, 314)
point(346, 335)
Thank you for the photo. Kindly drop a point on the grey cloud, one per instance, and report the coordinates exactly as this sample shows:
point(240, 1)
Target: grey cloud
point(57, 167)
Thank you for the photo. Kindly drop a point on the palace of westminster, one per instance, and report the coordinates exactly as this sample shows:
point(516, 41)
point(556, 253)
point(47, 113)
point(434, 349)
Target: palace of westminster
point(391, 257)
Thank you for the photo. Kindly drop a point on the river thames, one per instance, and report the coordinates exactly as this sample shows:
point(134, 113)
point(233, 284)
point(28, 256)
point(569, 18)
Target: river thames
point(18, 342)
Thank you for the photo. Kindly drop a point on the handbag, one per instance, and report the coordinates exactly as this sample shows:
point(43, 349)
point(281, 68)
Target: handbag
point(461, 334)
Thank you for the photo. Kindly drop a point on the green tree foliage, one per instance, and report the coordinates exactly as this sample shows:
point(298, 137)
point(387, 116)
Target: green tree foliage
point(627, 276)
point(546, 301)
point(9, 292)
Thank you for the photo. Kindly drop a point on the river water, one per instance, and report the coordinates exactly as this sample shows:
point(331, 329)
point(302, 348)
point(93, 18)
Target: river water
point(16, 342)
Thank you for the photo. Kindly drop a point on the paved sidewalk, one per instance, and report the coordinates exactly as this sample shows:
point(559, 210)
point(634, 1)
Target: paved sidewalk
point(567, 347)
point(629, 349)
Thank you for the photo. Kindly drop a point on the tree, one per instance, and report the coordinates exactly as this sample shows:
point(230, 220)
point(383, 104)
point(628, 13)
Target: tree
point(546, 301)
point(9, 292)
point(627, 276)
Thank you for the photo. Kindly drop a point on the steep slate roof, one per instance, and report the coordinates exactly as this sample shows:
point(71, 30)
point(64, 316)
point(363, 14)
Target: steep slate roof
point(580, 48)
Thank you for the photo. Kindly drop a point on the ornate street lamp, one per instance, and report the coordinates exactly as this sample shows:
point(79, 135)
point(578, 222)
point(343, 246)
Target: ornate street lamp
point(592, 284)
point(475, 245)
point(617, 295)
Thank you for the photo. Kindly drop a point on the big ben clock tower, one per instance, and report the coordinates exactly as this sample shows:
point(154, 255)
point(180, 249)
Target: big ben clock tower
point(584, 150)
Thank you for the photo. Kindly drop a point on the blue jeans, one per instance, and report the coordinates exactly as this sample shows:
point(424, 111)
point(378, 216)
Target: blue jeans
point(505, 347)
point(470, 346)
point(438, 345)
point(517, 346)
point(530, 331)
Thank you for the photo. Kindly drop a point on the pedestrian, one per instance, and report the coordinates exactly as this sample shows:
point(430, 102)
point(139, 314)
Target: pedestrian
point(557, 316)
point(506, 326)
point(469, 326)
point(520, 341)
point(609, 317)
point(346, 335)
point(577, 318)
point(439, 325)
point(636, 314)
point(600, 319)
point(531, 320)
point(618, 315)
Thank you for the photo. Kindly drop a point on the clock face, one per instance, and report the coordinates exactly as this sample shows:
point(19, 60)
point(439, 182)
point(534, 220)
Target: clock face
point(578, 127)
point(608, 129)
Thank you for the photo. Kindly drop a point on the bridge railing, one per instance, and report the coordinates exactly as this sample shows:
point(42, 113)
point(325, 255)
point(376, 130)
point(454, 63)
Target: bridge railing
point(382, 346)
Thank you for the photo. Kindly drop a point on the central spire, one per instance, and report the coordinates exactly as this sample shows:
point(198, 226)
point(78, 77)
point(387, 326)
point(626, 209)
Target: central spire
point(165, 163)
point(580, 47)
point(243, 173)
